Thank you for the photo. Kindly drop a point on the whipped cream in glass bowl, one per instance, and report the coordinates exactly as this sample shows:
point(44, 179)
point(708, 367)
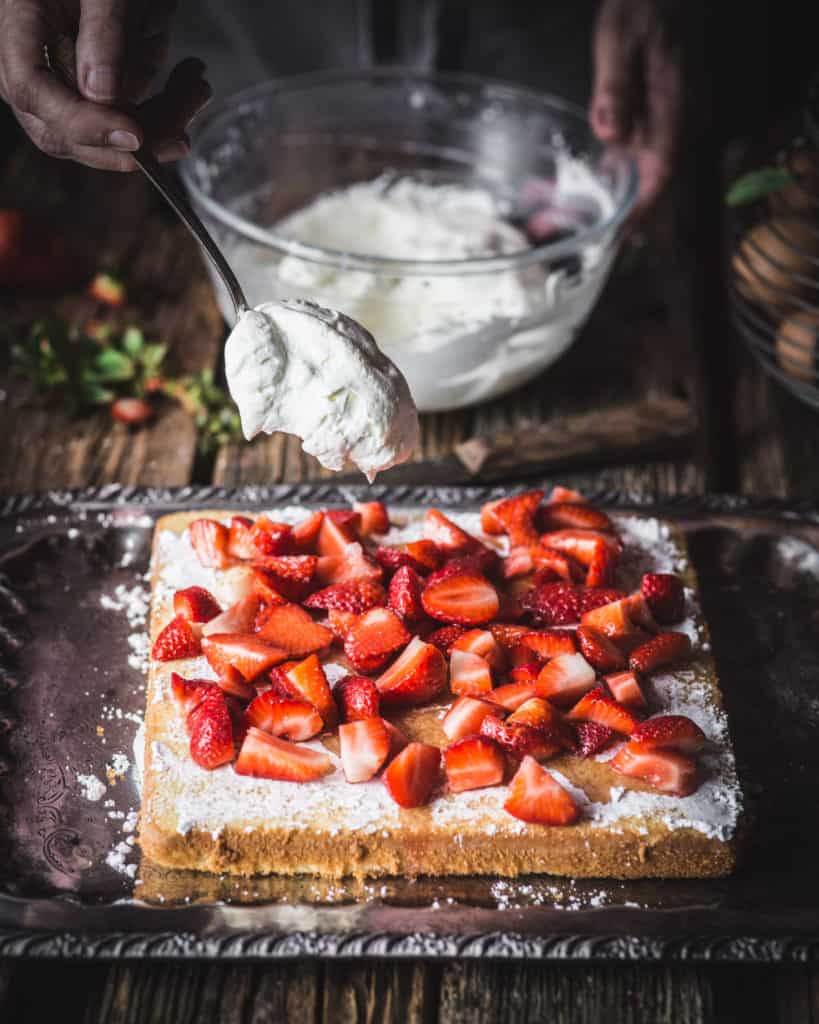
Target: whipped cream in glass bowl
point(468, 225)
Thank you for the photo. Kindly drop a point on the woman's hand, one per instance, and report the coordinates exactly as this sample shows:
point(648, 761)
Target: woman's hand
point(120, 46)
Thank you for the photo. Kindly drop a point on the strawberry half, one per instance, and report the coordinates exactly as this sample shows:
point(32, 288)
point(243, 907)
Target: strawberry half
point(598, 650)
point(357, 697)
point(482, 642)
point(540, 714)
point(247, 654)
point(518, 563)
point(338, 529)
point(670, 732)
point(269, 588)
point(373, 638)
point(626, 690)
point(291, 719)
point(597, 706)
point(405, 594)
point(267, 757)
point(592, 738)
point(270, 539)
point(211, 731)
point(351, 564)
point(517, 515)
point(572, 514)
point(415, 677)
point(520, 739)
point(663, 770)
point(565, 678)
point(490, 523)
point(612, 619)
point(469, 674)
point(665, 596)
point(423, 556)
point(447, 535)
point(466, 600)
point(445, 637)
point(512, 695)
point(373, 517)
point(196, 604)
point(412, 775)
point(209, 540)
point(290, 627)
point(306, 681)
point(238, 618)
point(561, 495)
point(189, 692)
point(291, 574)
point(550, 643)
point(465, 716)
point(584, 545)
point(662, 649)
point(507, 634)
point(305, 533)
point(234, 684)
point(638, 610)
point(177, 640)
point(240, 542)
point(365, 746)
point(474, 763)
point(357, 595)
point(564, 566)
point(537, 797)
point(559, 604)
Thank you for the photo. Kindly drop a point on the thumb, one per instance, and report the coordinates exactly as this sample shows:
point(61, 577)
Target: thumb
point(101, 45)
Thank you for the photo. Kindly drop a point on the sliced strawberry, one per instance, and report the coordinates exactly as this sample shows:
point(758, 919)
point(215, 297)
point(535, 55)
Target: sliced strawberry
point(561, 495)
point(559, 604)
point(290, 627)
point(405, 594)
point(423, 556)
point(196, 604)
point(670, 732)
point(598, 650)
point(296, 569)
point(341, 623)
point(612, 619)
point(517, 514)
point(267, 757)
point(352, 564)
point(597, 706)
point(465, 716)
point(583, 545)
point(337, 531)
point(235, 685)
point(526, 673)
point(507, 634)
point(592, 738)
point(240, 543)
point(247, 654)
point(189, 692)
point(522, 656)
point(397, 739)
point(292, 719)
point(373, 638)
point(565, 678)
point(578, 515)
point(466, 600)
point(236, 582)
point(177, 640)
point(518, 563)
point(238, 618)
point(626, 690)
point(415, 677)
point(540, 714)
point(512, 695)
point(209, 540)
point(663, 770)
point(474, 762)
point(211, 731)
point(445, 637)
point(638, 610)
point(346, 518)
point(306, 681)
point(519, 739)
point(357, 595)
point(269, 539)
point(269, 588)
point(662, 649)
point(474, 564)
point(564, 566)
point(665, 596)
point(469, 674)
point(305, 533)
point(374, 517)
point(482, 642)
point(550, 643)
point(365, 746)
point(357, 697)
point(537, 797)
point(489, 521)
point(412, 775)
point(601, 567)
point(446, 534)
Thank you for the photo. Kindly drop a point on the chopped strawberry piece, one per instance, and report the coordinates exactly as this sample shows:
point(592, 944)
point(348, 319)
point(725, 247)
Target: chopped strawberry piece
point(662, 649)
point(415, 677)
point(445, 637)
point(247, 654)
point(267, 757)
point(177, 640)
point(560, 495)
point(412, 775)
point(670, 732)
point(540, 714)
point(526, 673)
point(612, 619)
point(565, 678)
point(518, 563)
point(423, 556)
point(211, 731)
point(233, 683)
point(240, 542)
point(489, 521)
point(306, 681)
point(238, 618)
point(397, 739)
point(663, 770)
point(564, 566)
point(512, 695)
point(373, 638)
point(583, 545)
point(465, 716)
point(519, 739)
point(550, 643)
point(597, 706)
point(521, 656)
point(598, 650)
point(559, 604)
point(189, 692)
point(517, 514)
point(508, 635)
point(346, 518)
point(357, 697)
point(449, 537)
point(638, 610)
point(592, 738)
point(358, 595)
point(268, 587)
point(466, 600)
point(352, 564)
point(665, 596)
point(337, 531)
point(290, 627)
point(292, 719)
point(474, 762)
point(269, 539)
point(626, 690)
point(341, 623)
point(195, 604)
point(474, 564)
point(405, 594)
point(578, 515)
point(289, 576)
point(209, 540)
point(601, 567)
point(482, 642)
point(365, 746)
point(469, 674)
point(237, 582)
point(374, 518)
point(537, 797)
point(305, 533)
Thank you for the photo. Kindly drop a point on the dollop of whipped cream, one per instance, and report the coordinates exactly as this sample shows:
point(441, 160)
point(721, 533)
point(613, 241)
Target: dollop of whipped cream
point(297, 367)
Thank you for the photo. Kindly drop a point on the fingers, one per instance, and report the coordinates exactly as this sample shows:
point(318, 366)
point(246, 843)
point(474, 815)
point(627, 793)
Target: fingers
point(101, 49)
point(659, 135)
point(145, 59)
point(614, 105)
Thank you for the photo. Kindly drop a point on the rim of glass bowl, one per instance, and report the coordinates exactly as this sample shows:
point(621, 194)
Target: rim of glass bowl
point(378, 264)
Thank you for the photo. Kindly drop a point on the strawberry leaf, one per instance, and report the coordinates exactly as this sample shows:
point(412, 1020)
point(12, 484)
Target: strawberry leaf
point(756, 185)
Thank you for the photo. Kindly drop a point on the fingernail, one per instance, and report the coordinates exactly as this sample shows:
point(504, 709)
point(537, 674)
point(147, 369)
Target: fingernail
point(123, 140)
point(101, 82)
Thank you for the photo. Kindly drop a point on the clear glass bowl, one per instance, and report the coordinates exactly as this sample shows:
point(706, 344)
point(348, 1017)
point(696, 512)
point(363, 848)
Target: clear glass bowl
point(461, 330)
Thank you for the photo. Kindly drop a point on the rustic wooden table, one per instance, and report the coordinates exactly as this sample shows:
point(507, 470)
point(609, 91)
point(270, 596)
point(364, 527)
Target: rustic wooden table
point(655, 396)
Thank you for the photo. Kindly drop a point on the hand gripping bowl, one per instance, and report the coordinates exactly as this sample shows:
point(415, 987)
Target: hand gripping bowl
point(461, 330)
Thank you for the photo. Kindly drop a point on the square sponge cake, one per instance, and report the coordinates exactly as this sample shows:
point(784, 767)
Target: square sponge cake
point(221, 821)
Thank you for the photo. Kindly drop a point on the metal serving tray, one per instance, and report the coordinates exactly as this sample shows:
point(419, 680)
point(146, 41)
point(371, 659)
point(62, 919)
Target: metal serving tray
point(69, 701)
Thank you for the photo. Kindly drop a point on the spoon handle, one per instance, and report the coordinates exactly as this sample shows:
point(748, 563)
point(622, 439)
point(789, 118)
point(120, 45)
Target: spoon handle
point(60, 57)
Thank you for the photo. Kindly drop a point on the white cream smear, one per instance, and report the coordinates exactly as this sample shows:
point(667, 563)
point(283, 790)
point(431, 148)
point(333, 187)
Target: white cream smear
point(299, 368)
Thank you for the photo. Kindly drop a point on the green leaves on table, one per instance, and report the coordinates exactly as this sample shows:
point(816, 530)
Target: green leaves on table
point(216, 418)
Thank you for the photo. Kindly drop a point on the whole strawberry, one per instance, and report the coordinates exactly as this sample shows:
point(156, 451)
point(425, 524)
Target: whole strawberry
point(664, 593)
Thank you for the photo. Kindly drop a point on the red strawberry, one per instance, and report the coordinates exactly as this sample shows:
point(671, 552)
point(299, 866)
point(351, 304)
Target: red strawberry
point(519, 739)
point(341, 623)
point(665, 596)
point(306, 681)
point(592, 738)
point(508, 635)
point(525, 673)
point(357, 697)
point(423, 556)
point(365, 746)
point(512, 695)
point(465, 716)
point(445, 637)
point(233, 683)
point(238, 618)
point(557, 515)
point(374, 518)
point(177, 640)
point(358, 595)
point(469, 674)
point(240, 542)
point(196, 604)
point(337, 531)
point(670, 732)
point(660, 650)
point(290, 627)
point(482, 642)
point(373, 638)
point(597, 706)
point(583, 545)
point(601, 567)
point(537, 797)
point(466, 600)
point(598, 650)
point(663, 770)
point(209, 540)
point(559, 604)
point(540, 714)
point(291, 719)
point(107, 289)
point(211, 731)
point(638, 610)
point(612, 619)
point(517, 514)
point(489, 522)
point(237, 582)
point(412, 775)
point(561, 495)
point(446, 535)
point(131, 411)
point(405, 594)
point(566, 567)
point(268, 587)
point(352, 564)
point(471, 565)
point(298, 569)
point(269, 539)
point(397, 739)
point(267, 757)
point(189, 692)
point(247, 654)
point(517, 563)
point(415, 677)
point(550, 643)
point(474, 763)
point(565, 678)
point(626, 690)
point(305, 533)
